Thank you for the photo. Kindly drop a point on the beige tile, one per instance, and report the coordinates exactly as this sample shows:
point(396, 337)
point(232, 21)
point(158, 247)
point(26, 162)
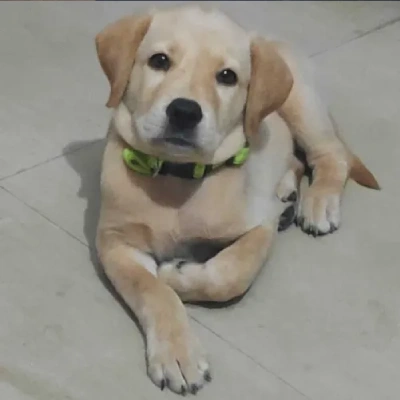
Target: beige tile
point(328, 310)
point(53, 91)
point(63, 336)
point(324, 313)
point(65, 190)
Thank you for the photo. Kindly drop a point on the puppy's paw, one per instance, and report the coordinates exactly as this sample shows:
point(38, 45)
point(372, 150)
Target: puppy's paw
point(287, 217)
point(319, 211)
point(287, 188)
point(175, 358)
point(182, 276)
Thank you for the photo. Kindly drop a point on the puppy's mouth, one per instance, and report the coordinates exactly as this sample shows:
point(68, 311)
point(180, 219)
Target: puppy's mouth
point(179, 141)
point(184, 139)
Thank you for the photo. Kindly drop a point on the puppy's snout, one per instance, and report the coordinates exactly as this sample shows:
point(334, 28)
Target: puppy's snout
point(184, 113)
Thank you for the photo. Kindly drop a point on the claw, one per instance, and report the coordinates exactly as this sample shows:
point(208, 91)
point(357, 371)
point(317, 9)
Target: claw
point(180, 264)
point(194, 389)
point(292, 197)
point(207, 376)
point(162, 384)
point(183, 390)
point(300, 222)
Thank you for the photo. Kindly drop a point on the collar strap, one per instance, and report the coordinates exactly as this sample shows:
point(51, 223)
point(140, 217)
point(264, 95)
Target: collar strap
point(152, 166)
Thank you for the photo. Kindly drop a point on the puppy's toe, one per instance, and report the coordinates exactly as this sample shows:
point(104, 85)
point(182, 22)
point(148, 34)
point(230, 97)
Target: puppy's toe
point(319, 213)
point(287, 218)
point(180, 275)
point(287, 188)
point(177, 362)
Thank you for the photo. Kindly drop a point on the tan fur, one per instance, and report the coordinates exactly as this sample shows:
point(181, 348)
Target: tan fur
point(332, 162)
point(116, 48)
point(166, 210)
point(362, 175)
point(145, 218)
point(227, 275)
point(270, 84)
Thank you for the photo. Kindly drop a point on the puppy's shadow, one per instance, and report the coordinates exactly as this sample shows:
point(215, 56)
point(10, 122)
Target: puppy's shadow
point(85, 158)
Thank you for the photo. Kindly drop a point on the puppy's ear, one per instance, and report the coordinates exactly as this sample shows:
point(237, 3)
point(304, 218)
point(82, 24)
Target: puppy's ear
point(270, 84)
point(116, 48)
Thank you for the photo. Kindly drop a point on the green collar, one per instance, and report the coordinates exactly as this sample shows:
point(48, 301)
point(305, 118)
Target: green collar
point(152, 166)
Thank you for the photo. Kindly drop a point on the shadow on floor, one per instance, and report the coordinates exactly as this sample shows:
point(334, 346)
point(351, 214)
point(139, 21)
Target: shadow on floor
point(85, 159)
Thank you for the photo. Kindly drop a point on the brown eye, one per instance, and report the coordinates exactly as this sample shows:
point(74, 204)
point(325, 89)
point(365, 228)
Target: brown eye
point(227, 77)
point(159, 62)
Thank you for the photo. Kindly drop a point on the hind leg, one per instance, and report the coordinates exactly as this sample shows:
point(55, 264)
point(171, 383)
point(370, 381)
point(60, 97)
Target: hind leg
point(288, 192)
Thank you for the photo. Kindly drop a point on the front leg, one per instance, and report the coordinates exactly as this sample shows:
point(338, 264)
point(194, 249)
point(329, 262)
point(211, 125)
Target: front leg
point(174, 355)
point(227, 275)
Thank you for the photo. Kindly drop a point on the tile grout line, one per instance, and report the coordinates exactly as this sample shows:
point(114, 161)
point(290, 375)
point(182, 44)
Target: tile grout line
point(44, 216)
point(21, 171)
point(360, 36)
point(316, 54)
point(233, 346)
point(190, 316)
point(193, 318)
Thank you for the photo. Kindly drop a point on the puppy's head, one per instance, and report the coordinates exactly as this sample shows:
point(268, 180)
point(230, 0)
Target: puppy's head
point(189, 77)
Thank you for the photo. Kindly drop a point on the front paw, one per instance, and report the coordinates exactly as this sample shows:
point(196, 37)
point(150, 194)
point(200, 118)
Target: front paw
point(175, 357)
point(319, 211)
point(182, 276)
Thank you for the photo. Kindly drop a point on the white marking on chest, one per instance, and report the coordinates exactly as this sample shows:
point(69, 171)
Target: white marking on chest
point(144, 260)
point(267, 164)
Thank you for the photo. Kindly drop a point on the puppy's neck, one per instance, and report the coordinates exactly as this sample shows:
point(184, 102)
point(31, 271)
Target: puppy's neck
point(124, 127)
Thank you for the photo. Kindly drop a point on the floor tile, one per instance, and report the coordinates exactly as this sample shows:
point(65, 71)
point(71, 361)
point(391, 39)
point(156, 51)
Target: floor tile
point(54, 91)
point(63, 336)
point(324, 313)
point(327, 310)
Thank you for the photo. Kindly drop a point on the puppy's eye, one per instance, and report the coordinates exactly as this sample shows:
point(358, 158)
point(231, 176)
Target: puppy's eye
point(227, 77)
point(159, 62)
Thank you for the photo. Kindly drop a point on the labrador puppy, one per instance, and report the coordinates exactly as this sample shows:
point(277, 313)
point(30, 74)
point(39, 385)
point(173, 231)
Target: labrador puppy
point(197, 169)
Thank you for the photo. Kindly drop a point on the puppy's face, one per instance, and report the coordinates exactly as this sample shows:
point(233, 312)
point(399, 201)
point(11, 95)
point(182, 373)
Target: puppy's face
point(188, 85)
point(188, 78)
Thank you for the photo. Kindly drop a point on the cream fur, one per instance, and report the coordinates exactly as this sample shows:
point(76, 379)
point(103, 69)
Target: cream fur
point(144, 219)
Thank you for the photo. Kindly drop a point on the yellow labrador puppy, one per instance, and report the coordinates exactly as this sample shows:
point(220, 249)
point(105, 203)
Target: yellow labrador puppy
point(199, 145)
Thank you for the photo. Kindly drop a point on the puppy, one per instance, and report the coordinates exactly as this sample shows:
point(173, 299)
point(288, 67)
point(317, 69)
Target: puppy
point(199, 145)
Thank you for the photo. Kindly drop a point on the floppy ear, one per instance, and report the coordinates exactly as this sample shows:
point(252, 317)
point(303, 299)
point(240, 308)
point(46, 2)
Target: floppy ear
point(270, 84)
point(116, 48)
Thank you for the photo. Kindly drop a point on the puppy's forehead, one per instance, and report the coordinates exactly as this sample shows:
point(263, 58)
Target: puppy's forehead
point(196, 29)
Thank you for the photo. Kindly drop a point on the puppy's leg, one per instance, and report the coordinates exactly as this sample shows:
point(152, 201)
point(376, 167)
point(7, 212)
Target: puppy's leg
point(174, 355)
point(227, 275)
point(309, 121)
point(288, 187)
point(288, 192)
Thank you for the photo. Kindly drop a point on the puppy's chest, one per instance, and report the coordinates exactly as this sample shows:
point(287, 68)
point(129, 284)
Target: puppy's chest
point(212, 211)
point(214, 215)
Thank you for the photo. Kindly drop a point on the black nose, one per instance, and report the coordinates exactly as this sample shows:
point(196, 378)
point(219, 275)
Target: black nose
point(184, 113)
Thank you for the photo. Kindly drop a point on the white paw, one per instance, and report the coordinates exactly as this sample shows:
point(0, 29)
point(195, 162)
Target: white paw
point(287, 188)
point(175, 358)
point(182, 276)
point(319, 211)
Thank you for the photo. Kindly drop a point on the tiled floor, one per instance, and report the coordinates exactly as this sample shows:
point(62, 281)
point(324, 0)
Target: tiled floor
point(323, 319)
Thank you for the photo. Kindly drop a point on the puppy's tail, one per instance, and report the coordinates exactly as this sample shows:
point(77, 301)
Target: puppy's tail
point(361, 174)
point(358, 171)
